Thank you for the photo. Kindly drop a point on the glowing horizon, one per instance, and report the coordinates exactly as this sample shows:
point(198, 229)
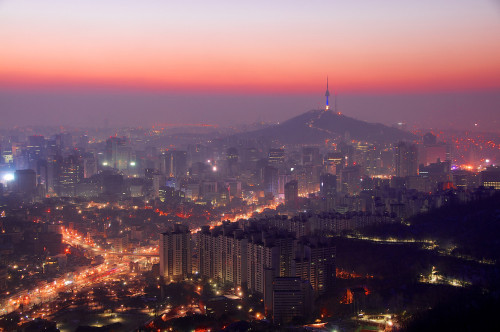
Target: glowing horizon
point(286, 46)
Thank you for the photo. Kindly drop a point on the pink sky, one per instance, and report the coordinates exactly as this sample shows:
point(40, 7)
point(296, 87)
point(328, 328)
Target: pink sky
point(258, 46)
point(427, 62)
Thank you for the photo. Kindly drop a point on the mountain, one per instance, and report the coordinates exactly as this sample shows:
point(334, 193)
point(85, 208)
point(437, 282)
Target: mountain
point(317, 125)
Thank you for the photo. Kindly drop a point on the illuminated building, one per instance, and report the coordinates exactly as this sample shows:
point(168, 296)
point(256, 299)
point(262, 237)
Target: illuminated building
point(35, 148)
point(490, 178)
point(315, 262)
point(175, 253)
point(174, 163)
point(350, 180)
point(242, 257)
point(463, 179)
point(157, 181)
point(118, 154)
point(328, 185)
point(271, 180)
point(283, 179)
point(118, 243)
point(406, 159)
point(70, 173)
point(333, 162)
point(260, 257)
point(192, 191)
point(89, 166)
point(234, 188)
point(276, 157)
point(223, 254)
point(435, 174)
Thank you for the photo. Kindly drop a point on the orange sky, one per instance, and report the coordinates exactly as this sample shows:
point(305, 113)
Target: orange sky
point(440, 45)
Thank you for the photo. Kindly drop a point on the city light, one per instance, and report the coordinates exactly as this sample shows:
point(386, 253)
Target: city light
point(8, 177)
point(302, 222)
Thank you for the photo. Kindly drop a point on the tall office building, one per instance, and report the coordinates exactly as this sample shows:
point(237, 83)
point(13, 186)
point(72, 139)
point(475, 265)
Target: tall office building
point(328, 185)
point(25, 182)
point(350, 180)
point(276, 157)
point(310, 156)
point(333, 162)
point(70, 173)
point(35, 149)
point(232, 161)
point(89, 165)
point(118, 153)
point(175, 253)
point(406, 159)
point(292, 194)
point(271, 180)
point(174, 163)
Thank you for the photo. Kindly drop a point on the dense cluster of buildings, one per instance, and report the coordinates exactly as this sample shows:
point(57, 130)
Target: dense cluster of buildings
point(121, 192)
point(36, 167)
point(256, 257)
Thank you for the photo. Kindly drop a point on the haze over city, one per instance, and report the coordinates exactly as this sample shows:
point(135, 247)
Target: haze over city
point(227, 62)
point(324, 166)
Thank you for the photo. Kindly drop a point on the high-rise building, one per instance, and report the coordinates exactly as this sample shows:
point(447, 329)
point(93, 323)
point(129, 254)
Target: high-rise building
point(229, 254)
point(70, 173)
point(118, 153)
point(292, 297)
point(175, 253)
point(35, 149)
point(174, 163)
point(292, 194)
point(271, 180)
point(334, 161)
point(232, 161)
point(406, 159)
point(222, 254)
point(315, 262)
point(276, 157)
point(89, 166)
point(328, 185)
point(350, 180)
point(310, 156)
point(25, 182)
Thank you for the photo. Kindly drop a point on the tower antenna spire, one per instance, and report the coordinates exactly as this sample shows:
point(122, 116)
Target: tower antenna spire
point(327, 94)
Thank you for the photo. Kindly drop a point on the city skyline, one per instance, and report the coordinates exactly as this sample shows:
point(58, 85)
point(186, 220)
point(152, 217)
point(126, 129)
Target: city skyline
point(249, 166)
